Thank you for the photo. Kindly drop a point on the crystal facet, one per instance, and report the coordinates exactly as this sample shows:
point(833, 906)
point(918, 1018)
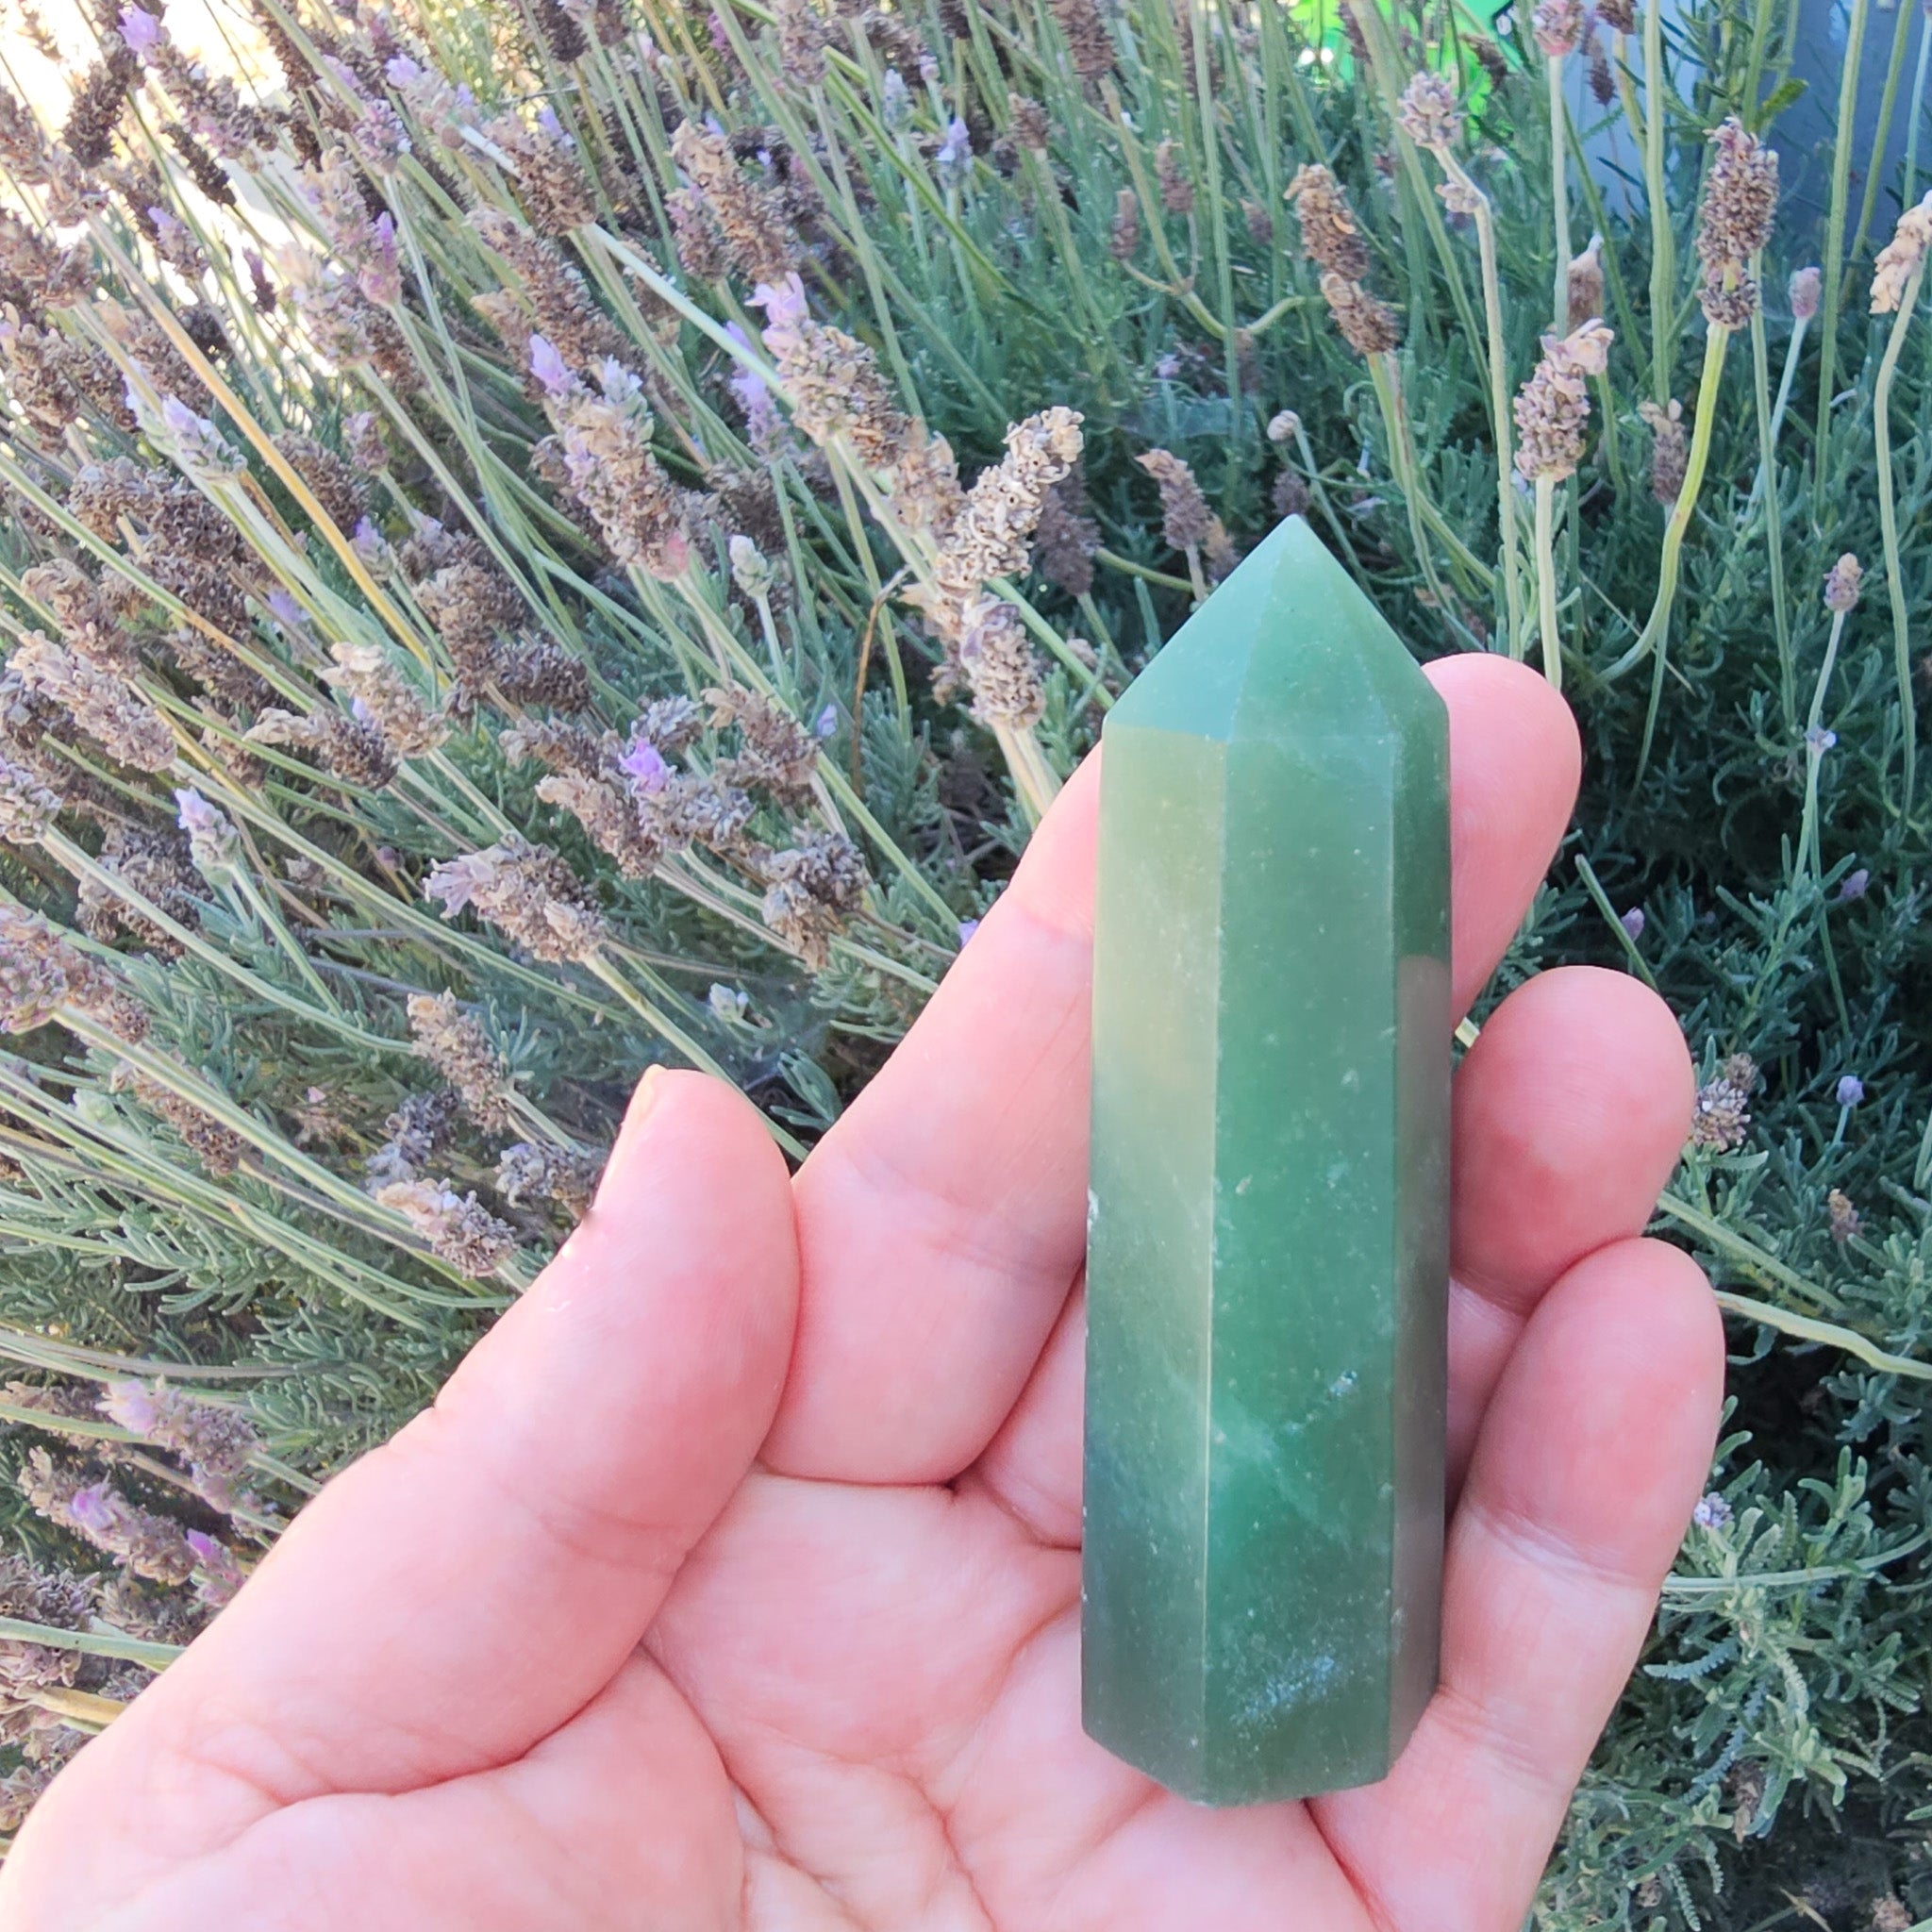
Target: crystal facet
point(1268, 1256)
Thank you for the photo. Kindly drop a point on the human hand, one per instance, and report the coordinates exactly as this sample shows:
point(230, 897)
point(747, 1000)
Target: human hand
point(733, 1580)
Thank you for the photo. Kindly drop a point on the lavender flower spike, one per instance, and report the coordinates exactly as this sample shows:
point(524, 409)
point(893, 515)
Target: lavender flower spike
point(220, 1575)
point(210, 837)
point(381, 274)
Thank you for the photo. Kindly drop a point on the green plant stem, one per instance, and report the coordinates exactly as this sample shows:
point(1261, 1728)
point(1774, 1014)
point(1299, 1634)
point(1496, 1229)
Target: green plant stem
point(1814, 751)
point(1385, 63)
point(1754, 59)
point(1594, 886)
point(1320, 492)
point(1607, 406)
point(1663, 247)
point(1727, 1240)
point(1918, 114)
point(1546, 581)
point(1835, 240)
point(1035, 781)
point(1888, 517)
point(1559, 193)
point(1627, 88)
point(100, 1642)
point(1387, 379)
point(1766, 484)
point(1484, 216)
point(1828, 1334)
point(1657, 631)
point(1875, 160)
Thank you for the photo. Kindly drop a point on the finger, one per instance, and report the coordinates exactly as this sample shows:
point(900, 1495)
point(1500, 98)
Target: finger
point(1569, 1111)
point(1589, 1464)
point(1033, 1467)
point(943, 1220)
point(1514, 766)
point(461, 1591)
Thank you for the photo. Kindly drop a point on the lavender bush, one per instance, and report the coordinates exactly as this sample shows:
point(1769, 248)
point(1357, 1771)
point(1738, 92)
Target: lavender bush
point(545, 538)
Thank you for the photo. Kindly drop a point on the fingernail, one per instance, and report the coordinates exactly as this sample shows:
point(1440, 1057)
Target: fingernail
point(649, 1091)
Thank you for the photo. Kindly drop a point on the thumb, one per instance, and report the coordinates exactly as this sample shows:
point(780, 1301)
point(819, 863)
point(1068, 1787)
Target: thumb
point(461, 1592)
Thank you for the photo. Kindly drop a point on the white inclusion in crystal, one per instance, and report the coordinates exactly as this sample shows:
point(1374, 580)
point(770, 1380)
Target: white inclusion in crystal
point(1343, 1384)
point(1283, 1693)
point(1092, 1209)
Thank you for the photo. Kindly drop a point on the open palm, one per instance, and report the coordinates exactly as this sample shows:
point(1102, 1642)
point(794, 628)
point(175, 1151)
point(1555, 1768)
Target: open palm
point(733, 1580)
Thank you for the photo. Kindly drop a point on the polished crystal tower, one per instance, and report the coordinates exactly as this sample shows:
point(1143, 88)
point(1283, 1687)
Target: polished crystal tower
point(1267, 1266)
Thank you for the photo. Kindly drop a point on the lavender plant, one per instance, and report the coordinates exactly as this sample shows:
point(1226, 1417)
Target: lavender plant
point(548, 539)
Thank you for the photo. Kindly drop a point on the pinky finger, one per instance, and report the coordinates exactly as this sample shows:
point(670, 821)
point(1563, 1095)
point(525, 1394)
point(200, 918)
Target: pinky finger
point(1590, 1460)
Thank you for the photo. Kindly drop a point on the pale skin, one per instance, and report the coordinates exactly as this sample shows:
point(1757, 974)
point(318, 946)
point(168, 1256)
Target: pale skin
point(733, 1582)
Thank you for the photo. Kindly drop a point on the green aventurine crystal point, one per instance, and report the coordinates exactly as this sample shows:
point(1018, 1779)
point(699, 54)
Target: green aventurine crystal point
point(1267, 1268)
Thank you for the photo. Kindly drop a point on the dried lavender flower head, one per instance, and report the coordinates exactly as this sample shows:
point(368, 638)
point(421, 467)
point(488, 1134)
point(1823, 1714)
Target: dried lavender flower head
point(1554, 405)
point(1176, 190)
point(751, 569)
point(1841, 584)
point(1720, 1116)
point(1184, 516)
point(1670, 450)
point(1804, 290)
point(1329, 235)
point(1902, 257)
point(1734, 222)
point(1584, 283)
point(211, 838)
point(1428, 113)
point(1367, 325)
point(1557, 26)
point(458, 1227)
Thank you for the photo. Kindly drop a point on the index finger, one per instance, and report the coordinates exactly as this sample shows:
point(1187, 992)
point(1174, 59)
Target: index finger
point(943, 1220)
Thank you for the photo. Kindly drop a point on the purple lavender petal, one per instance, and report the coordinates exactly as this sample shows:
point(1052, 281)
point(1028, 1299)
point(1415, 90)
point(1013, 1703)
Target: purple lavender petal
point(548, 367)
point(381, 275)
point(92, 1510)
point(132, 1405)
point(193, 813)
point(141, 29)
point(643, 765)
point(783, 303)
point(285, 609)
